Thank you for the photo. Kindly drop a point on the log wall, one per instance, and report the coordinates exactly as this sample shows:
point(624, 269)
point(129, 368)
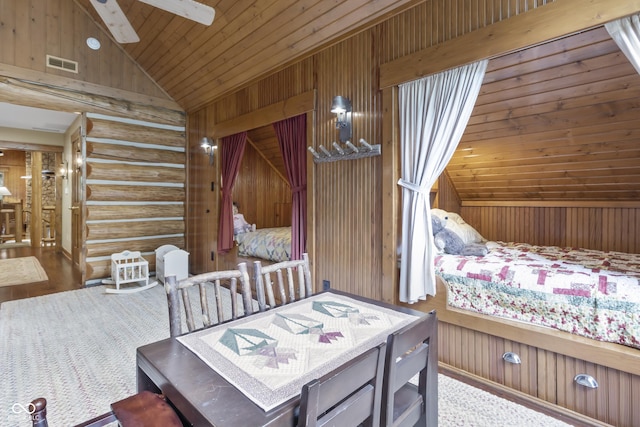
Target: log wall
point(135, 190)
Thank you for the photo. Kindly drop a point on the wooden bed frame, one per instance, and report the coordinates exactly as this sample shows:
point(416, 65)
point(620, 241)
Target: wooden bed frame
point(472, 347)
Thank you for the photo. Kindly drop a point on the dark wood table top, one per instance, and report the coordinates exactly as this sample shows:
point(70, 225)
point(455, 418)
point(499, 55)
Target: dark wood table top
point(204, 397)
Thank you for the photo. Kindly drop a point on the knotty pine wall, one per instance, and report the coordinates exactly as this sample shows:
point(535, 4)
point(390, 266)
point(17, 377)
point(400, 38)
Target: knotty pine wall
point(346, 203)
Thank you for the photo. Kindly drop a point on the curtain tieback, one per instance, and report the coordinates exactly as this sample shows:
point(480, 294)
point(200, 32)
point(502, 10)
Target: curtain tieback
point(413, 187)
point(298, 189)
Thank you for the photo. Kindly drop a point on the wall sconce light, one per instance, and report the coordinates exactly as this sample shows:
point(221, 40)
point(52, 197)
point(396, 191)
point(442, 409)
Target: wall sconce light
point(4, 191)
point(79, 159)
point(64, 170)
point(209, 147)
point(342, 107)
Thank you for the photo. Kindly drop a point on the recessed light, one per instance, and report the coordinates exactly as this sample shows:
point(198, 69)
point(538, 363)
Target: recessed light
point(93, 43)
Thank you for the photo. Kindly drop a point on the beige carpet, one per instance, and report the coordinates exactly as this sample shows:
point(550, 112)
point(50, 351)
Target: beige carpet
point(17, 271)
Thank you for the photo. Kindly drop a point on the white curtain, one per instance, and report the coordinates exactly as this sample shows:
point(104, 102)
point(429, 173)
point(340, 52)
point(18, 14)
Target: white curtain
point(434, 112)
point(626, 33)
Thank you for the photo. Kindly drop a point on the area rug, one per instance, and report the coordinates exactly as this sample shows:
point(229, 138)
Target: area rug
point(16, 271)
point(77, 349)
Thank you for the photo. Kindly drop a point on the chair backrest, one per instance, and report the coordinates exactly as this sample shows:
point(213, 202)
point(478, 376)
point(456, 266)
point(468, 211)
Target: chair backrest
point(411, 351)
point(143, 409)
point(348, 396)
point(214, 281)
point(297, 286)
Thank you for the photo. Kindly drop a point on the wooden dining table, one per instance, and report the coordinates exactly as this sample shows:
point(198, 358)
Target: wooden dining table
point(205, 387)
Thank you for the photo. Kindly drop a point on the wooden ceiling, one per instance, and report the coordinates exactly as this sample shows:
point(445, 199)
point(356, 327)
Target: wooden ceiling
point(195, 64)
point(559, 121)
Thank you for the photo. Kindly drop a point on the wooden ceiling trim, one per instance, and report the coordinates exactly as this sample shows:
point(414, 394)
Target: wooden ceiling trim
point(62, 83)
point(513, 34)
point(60, 99)
point(265, 116)
point(23, 146)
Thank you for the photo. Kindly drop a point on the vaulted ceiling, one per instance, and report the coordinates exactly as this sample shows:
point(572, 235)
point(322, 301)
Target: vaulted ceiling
point(195, 63)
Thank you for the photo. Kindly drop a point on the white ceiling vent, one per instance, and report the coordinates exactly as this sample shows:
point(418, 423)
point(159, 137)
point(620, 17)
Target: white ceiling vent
point(62, 64)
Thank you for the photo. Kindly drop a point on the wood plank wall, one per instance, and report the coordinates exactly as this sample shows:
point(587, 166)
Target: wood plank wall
point(258, 206)
point(609, 229)
point(32, 29)
point(13, 165)
point(135, 189)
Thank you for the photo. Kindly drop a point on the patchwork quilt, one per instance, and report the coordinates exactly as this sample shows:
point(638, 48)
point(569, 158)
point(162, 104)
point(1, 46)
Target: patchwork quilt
point(273, 244)
point(586, 292)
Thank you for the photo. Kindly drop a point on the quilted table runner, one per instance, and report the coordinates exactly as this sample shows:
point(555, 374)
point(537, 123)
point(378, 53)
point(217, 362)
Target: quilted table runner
point(269, 356)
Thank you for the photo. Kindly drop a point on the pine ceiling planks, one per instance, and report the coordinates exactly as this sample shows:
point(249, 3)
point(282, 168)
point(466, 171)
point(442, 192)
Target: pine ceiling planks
point(196, 64)
point(554, 122)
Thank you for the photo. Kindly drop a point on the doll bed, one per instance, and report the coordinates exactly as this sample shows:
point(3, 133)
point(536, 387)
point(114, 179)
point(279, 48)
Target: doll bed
point(585, 292)
point(272, 244)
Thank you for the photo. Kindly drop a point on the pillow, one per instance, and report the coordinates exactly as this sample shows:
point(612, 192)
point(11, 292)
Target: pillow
point(467, 233)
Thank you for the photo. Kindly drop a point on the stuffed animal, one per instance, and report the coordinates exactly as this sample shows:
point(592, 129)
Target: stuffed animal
point(240, 225)
point(465, 231)
point(453, 238)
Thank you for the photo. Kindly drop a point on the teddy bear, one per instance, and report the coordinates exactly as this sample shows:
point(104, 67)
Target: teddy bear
point(455, 238)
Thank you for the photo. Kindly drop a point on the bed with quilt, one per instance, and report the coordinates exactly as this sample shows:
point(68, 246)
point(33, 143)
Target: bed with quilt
point(585, 292)
point(272, 244)
point(571, 316)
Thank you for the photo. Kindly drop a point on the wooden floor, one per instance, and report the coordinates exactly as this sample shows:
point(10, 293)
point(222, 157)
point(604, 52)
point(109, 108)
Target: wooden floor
point(63, 276)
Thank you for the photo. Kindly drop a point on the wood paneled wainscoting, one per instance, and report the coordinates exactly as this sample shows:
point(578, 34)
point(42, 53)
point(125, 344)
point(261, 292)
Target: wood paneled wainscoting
point(607, 226)
point(471, 346)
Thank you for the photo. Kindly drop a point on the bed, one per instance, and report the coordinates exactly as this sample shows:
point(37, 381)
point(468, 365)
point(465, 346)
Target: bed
point(556, 328)
point(586, 292)
point(271, 244)
point(565, 313)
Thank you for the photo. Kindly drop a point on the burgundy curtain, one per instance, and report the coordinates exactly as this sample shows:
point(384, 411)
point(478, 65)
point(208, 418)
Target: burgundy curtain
point(292, 138)
point(232, 150)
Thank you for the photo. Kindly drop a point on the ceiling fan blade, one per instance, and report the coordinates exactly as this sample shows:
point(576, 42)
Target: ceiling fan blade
point(189, 9)
point(116, 21)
